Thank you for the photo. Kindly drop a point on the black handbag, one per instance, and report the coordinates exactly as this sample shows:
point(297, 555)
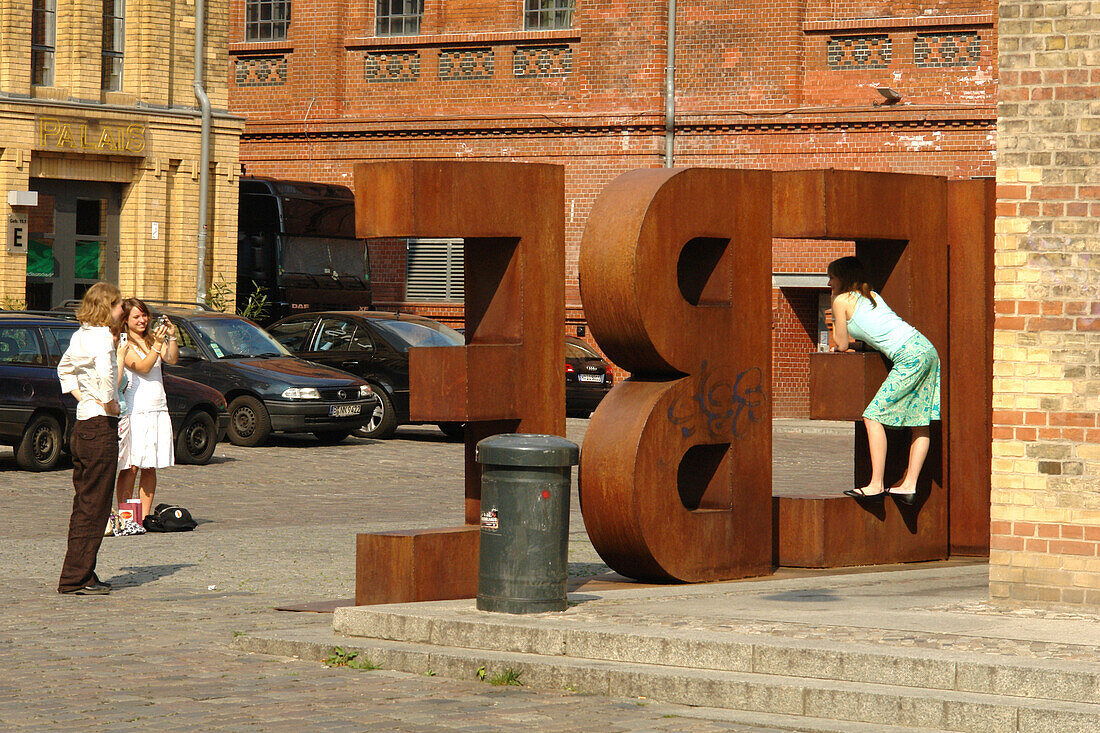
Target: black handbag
point(169, 518)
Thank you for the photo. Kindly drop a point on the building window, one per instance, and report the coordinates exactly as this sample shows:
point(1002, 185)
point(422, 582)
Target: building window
point(43, 40)
point(114, 39)
point(434, 270)
point(398, 17)
point(547, 15)
point(266, 20)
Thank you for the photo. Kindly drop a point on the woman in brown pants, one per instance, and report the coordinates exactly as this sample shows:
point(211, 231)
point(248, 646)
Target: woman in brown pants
point(89, 372)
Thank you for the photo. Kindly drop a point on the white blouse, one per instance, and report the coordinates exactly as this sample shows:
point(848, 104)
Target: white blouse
point(90, 365)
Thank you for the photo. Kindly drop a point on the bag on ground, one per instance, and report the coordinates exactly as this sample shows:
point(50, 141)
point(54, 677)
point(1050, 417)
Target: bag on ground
point(169, 518)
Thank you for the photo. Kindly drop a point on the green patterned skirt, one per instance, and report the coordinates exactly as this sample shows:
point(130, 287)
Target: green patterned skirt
point(910, 396)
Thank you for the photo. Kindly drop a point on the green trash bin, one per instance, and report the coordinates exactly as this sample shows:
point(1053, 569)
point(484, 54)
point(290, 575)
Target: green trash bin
point(523, 559)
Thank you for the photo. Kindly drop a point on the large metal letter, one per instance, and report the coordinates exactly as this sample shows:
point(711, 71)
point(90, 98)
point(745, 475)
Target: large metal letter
point(508, 378)
point(675, 271)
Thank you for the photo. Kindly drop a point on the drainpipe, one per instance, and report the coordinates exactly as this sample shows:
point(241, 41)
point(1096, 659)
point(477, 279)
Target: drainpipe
point(204, 155)
point(670, 86)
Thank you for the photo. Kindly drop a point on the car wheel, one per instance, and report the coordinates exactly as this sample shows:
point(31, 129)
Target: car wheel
point(453, 430)
point(382, 420)
point(249, 423)
point(331, 437)
point(40, 448)
point(196, 439)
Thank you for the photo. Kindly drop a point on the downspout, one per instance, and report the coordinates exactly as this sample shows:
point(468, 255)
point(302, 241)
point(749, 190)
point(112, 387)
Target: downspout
point(670, 86)
point(204, 154)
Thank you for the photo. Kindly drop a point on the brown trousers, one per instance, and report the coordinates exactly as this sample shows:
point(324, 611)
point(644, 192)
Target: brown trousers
point(94, 447)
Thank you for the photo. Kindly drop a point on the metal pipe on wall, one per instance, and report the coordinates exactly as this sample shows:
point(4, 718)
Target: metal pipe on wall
point(670, 87)
point(204, 154)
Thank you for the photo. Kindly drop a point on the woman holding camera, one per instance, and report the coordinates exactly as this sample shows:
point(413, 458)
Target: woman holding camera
point(145, 430)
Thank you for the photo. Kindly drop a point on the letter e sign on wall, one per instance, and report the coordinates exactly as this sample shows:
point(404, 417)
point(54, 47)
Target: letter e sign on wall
point(675, 275)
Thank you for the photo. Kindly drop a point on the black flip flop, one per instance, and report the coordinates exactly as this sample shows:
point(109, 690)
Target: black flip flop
point(858, 494)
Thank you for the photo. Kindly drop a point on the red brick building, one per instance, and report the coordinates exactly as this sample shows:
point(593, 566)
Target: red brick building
point(784, 84)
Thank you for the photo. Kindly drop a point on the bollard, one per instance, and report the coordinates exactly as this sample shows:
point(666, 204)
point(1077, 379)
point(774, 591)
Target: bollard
point(522, 561)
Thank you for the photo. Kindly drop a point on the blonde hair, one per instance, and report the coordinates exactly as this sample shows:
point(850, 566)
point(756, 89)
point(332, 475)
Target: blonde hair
point(95, 308)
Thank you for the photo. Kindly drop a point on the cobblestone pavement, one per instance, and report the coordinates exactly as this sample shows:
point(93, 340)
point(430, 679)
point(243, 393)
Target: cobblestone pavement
point(277, 527)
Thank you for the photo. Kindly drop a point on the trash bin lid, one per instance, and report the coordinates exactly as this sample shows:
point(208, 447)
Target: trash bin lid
point(527, 449)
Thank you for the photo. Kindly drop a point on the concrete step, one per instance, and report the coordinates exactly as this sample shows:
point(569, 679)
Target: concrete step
point(807, 704)
point(930, 669)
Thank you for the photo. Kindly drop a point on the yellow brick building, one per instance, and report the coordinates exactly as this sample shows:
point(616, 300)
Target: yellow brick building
point(99, 122)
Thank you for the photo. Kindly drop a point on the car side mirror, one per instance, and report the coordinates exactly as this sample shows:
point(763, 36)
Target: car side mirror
point(189, 352)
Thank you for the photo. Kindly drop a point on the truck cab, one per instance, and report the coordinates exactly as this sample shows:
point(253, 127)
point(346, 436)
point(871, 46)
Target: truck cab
point(297, 242)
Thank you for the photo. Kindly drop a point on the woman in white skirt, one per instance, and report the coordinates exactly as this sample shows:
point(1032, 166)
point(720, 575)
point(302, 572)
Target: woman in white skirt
point(145, 430)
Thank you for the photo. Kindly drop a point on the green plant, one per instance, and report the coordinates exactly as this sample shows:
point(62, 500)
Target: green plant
point(238, 633)
point(13, 304)
point(217, 297)
point(255, 307)
point(341, 657)
point(481, 673)
point(430, 673)
point(508, 677)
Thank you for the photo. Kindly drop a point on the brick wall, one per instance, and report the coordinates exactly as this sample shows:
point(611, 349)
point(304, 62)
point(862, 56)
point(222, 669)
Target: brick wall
point(786, 84)
point(1046, 392)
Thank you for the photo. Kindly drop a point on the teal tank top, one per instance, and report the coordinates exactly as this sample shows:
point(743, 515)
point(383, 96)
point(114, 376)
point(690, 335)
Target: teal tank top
point(879, 327)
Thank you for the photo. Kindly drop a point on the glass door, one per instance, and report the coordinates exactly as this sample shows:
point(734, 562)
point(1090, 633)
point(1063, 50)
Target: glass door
point(73, 241)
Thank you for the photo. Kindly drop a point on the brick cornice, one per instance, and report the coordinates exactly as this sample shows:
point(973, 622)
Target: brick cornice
point(921, 21)
point(869, 119)
point(368, 43)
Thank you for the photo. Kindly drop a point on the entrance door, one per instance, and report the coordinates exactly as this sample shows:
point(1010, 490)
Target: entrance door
point(73, 240)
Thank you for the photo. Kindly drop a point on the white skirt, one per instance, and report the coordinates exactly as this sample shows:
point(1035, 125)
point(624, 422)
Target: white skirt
point(145, 440)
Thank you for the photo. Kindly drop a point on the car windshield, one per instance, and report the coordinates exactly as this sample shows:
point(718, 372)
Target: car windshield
point(403, 335)
point(234, 338)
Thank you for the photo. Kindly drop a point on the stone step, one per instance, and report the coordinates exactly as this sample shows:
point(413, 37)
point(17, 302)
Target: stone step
point(932, 669)
point(808, 704)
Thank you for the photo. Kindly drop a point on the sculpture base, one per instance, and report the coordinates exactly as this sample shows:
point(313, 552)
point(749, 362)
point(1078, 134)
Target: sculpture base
point(416, 565)
point(838, 531)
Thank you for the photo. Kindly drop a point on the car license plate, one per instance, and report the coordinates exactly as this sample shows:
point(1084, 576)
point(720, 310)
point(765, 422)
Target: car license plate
point(345, 410)
point(597, 378)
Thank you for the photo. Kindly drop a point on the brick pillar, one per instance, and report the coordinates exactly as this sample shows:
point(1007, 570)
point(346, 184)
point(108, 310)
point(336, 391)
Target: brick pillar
point(1045, 515)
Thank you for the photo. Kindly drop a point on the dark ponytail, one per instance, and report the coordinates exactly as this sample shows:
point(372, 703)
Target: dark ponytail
point(853, 279)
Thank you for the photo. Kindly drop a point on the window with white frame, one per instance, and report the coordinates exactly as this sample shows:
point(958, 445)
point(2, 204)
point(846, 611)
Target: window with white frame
point(434, 270)
point(114, 42)
point(43, 41)
point(398, 17)
point(266, 20)
point(547, 15)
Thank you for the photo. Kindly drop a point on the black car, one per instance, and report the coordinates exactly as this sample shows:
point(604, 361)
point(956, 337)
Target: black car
point(588, 378)
point(267, 388)
point(373, 345)
point(36, 418)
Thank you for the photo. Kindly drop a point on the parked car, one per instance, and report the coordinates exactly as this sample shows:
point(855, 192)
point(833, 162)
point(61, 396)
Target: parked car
point(36, 418)
point(588, 378)
point(373, 345)
point(267, 388)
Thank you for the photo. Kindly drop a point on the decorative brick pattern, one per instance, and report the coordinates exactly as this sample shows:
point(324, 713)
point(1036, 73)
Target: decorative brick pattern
point(466, 63)
point(541, 62)
point(933, 50)
point(860, 52)
point(261, 71)
point(396, 66)
point(1045, 473)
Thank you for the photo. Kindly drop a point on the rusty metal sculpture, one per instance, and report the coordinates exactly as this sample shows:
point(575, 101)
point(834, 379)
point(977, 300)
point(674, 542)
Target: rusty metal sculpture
point(675, 274)
point(926, 242)
point(675, 271)
point(508, 378)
